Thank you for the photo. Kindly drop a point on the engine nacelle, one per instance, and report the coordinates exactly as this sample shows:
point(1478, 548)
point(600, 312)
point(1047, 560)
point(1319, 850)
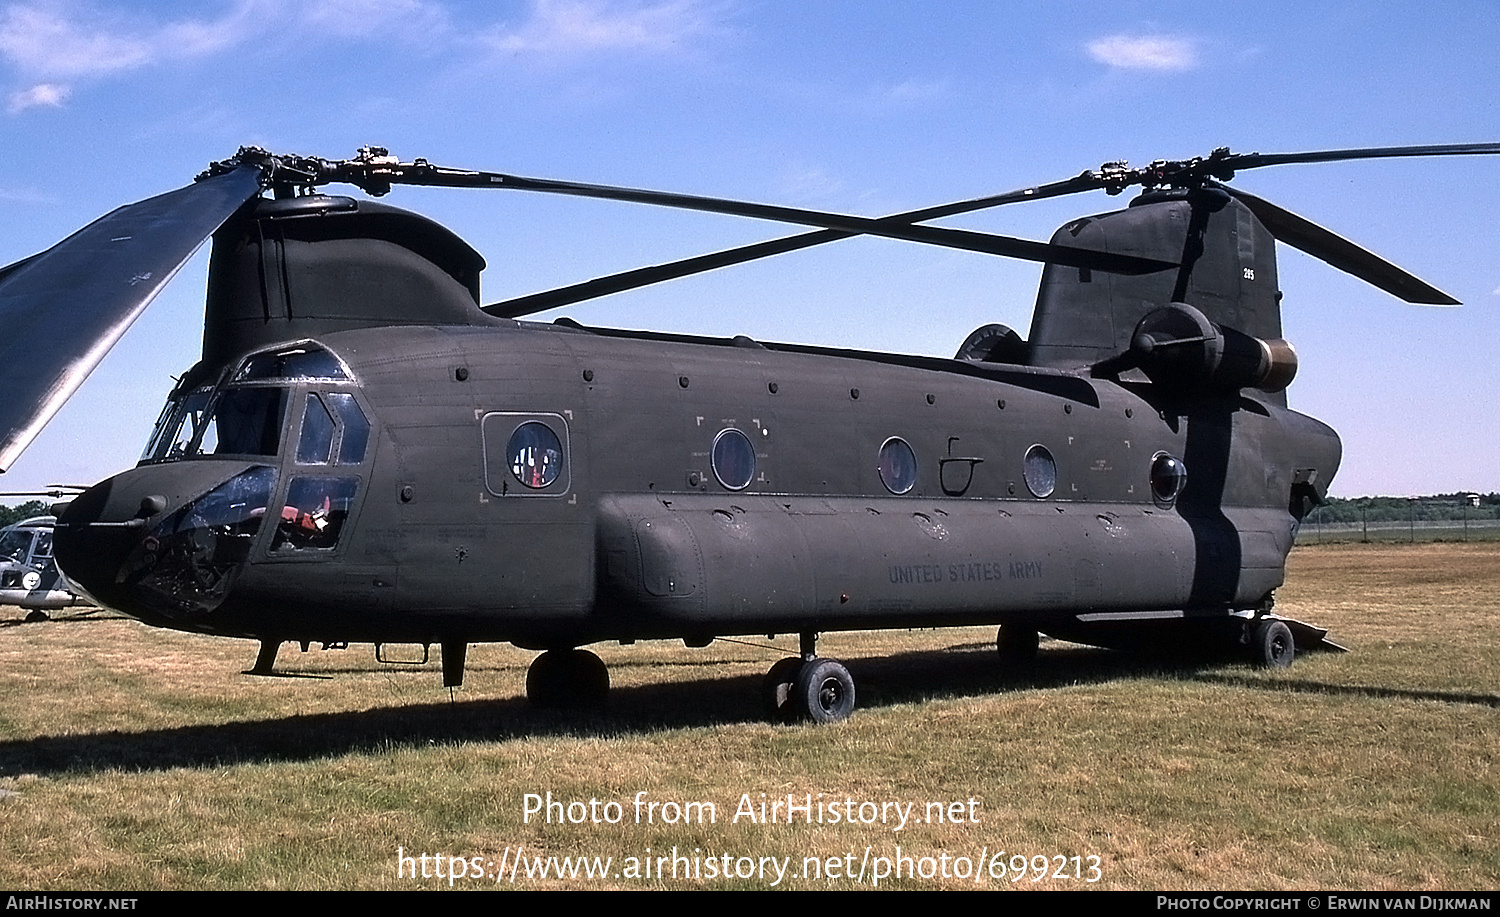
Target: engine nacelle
point(1177, 344)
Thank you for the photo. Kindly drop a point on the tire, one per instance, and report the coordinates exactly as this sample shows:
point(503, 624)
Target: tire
point(1272, 646)
point(567, 679)
point(824, 692)
point(1017, 645)
point(779, 688)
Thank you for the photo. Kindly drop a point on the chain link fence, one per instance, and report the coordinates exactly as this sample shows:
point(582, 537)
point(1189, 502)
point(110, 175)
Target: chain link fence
point(1445, 517)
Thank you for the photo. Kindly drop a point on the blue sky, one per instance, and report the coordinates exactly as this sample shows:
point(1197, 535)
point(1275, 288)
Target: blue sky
point(860, 107)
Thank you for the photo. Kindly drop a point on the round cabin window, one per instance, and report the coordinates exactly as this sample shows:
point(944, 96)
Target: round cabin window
point(733, 459)
point(898, 465)
point(1040, 471)
point(1168, 477)
point(534, 454)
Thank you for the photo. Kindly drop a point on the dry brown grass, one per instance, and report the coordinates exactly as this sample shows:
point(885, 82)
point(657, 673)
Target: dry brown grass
point(134, 758)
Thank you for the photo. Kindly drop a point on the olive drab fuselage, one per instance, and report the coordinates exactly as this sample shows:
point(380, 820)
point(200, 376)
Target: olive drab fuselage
point(365, 455)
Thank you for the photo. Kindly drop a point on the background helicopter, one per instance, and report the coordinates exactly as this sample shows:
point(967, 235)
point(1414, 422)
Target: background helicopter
point(29, 577)
point(365, 455)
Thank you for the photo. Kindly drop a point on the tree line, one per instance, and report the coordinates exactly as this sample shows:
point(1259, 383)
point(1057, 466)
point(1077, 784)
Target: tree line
point(1432, 508)
point(10, 515)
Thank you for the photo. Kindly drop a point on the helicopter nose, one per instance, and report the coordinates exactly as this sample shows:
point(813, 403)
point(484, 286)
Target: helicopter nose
point(165, 543)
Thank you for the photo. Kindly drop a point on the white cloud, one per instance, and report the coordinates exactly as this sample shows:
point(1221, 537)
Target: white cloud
point(1495, 291)
point(42, 95)
point(43, 43)
point(574, 26)
point(1144, 52)
point(25, 196)
point(915, 91)
point(85, 42)
point(60, 43)
point(416, 20)
point(53, 45)
point(798, 182)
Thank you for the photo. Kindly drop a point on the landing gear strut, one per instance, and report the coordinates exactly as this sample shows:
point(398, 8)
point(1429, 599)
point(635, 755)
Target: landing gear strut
point(567, 679)
point(265, 660)
point(808, 688)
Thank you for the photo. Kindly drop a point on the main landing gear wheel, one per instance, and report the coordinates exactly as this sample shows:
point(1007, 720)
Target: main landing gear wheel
point(824, 692)
point(1017, 644)
point(778, 687)
point(567, 679)
point(1272, 646)
point(815, 691)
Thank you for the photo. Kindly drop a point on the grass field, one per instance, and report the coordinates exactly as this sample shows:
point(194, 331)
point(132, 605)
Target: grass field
point(133, 758)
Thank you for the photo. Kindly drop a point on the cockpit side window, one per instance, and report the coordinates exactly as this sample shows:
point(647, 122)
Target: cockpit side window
point(315, 511)
point(356, 428)
point(333, 429)
point(315, 446)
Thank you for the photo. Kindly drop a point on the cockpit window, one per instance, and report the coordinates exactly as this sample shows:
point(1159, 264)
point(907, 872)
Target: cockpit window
point(245, 421)
point(320, 430)
point(315, 446)
point(14, 545)
point(356, 433)
point(304, 361)
point(240, 421)
point(315, 511)
point(244, 415)
point(181, 422)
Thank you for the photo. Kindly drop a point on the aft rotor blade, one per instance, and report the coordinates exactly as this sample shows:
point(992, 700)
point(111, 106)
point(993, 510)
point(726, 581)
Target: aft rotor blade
point(1329, 246)
point(645, 276)
point(64, 308)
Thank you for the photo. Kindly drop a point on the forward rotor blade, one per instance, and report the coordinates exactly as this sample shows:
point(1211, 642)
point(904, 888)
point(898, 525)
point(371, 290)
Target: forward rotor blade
point(645, 276)
point(932, 235)
point(1256, 160)
point(64, 308)
point(1334, 249)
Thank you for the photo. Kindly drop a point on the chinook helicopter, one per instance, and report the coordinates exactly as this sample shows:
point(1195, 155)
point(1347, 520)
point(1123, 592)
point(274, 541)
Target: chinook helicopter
point(365, 453)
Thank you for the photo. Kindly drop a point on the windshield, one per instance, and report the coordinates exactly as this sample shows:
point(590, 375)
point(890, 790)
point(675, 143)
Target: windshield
point(241, 420)
point(244, 421)
point(244, 416)
point(180, 422)
point(14, 544)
